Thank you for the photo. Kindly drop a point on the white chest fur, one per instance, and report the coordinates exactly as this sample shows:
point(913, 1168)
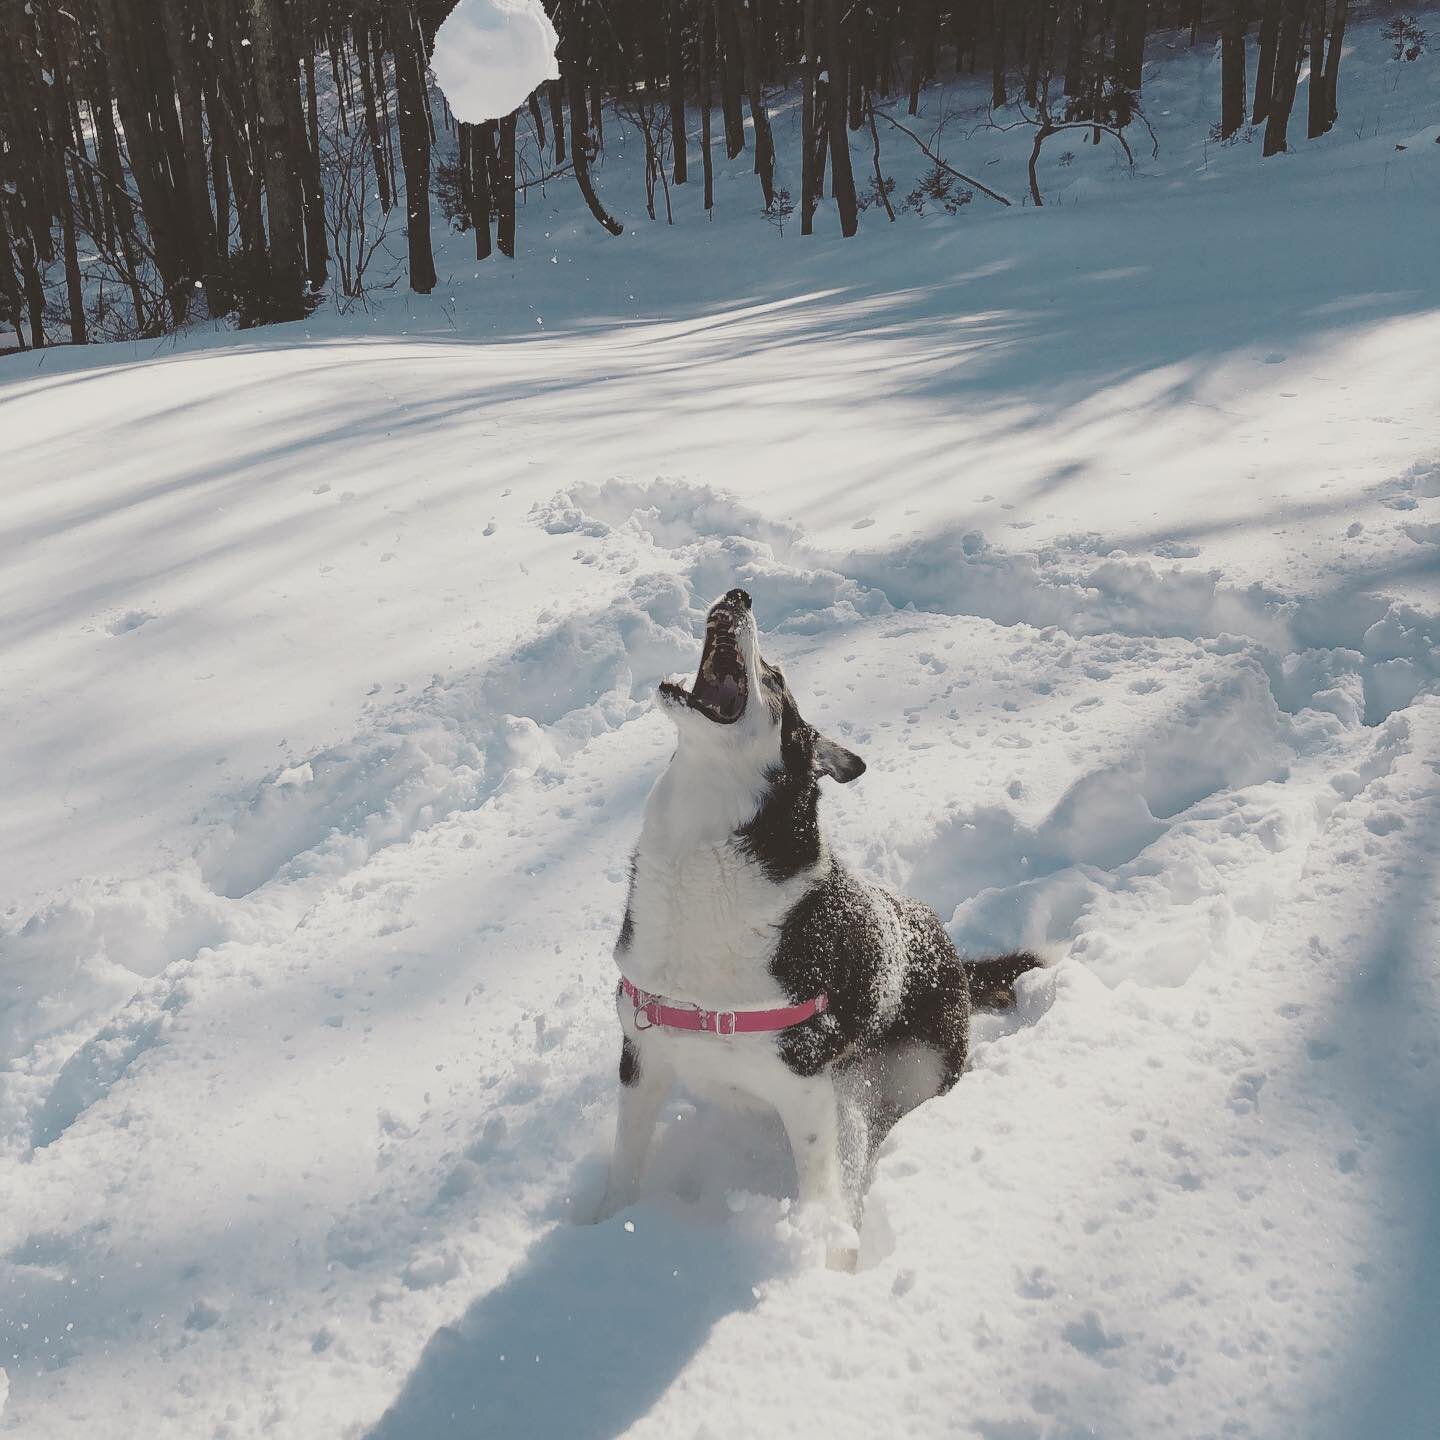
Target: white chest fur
point(705, 918)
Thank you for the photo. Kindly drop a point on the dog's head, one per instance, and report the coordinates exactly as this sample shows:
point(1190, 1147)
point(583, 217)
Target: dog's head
point(739, 711)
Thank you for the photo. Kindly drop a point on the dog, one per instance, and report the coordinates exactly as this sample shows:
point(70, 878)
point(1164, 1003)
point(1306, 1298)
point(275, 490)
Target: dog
point(755, 968)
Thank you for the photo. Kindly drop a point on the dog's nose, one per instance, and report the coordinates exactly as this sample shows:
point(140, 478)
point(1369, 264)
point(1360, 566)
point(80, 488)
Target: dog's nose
point(737, 599)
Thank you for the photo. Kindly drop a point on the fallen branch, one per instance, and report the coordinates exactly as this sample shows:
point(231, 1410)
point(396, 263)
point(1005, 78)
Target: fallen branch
point(949, 169)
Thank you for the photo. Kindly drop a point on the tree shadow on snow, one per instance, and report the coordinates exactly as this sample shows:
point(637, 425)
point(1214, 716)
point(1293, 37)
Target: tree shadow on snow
point(1383, 1064)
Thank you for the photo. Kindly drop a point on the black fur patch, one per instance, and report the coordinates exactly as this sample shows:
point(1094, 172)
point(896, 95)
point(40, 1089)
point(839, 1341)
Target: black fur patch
point(627, 925)
point(830, 942)
point(629, 1062)
point(784, 837)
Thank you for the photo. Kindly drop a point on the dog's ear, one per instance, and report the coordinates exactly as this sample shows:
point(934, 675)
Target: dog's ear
point(836, 761)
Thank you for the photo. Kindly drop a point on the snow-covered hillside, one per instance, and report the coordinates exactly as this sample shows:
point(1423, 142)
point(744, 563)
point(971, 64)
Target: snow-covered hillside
point(1107, 533)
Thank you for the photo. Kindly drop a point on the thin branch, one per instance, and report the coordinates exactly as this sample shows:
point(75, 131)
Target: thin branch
point(879, 177)
point(949, 169)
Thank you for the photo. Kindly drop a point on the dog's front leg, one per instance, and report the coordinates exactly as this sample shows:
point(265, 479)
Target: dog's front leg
point(809, 1110)
point(643, 1087)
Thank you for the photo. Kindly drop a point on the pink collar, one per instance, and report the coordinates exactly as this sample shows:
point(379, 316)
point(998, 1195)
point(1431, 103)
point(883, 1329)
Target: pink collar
point(657, 1010)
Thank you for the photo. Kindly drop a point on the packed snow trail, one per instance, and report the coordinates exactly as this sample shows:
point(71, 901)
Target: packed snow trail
point(327, 725)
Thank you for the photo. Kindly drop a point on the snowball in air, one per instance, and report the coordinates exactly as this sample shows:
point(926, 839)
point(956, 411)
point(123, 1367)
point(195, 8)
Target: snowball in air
point(490, 54)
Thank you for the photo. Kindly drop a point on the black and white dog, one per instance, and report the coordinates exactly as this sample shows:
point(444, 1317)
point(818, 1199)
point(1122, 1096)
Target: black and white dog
point(755, 968)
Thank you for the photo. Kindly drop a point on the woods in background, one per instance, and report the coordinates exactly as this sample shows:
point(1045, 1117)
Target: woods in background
point(157, 156)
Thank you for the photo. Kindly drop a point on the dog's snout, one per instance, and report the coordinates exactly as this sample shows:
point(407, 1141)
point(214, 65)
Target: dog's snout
point(728, 611)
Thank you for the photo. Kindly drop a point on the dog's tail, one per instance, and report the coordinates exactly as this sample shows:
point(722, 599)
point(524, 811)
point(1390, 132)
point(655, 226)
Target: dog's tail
point(992, 980)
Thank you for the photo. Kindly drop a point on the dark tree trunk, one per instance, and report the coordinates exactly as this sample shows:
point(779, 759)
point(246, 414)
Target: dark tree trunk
point(1232, 69)
point(842, 178)
point(580, 146)
point(1332, 62)
point(727, 62)
point(414, 143)
point(372, 118)
point(149, 166)
point(34, 291)
point(316, 242)
point(807, 121)
point(997, 51)
point(58, 100)
point(764, 145)
point(704, 31)
point(479, 147)
point(557, 119)
point(855, 93)
point(1129, 42)
point(922, 50)
point(1035, 50)
point(219, 167)
point(1077, 23)
point(281, 166)
point(676, 68)
point(1265, 62)
point(204, 258)
point(9, 285)
point(505, 198)
point(1319, 108)
point(1287, 66)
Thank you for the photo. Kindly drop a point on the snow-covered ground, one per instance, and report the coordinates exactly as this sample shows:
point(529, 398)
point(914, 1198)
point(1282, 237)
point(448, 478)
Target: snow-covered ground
point(1107, 533)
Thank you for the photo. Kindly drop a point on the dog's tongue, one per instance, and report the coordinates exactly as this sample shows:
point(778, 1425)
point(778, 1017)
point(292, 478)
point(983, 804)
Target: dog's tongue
point(722, 695)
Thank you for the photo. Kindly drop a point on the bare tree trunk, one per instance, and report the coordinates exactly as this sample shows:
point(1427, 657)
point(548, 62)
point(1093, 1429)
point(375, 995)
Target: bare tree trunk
point(677, 90)
point(727, 62)
point(57, 97)
point(1332, 61)
point(707, 20)
point(414, 142)
point(9, 285)
point(482, 149)
point(557, 119)
point(372, 117)
point(316, 244)
point(842, 177)
point(1287, 65)
point(764, 144)
point(1232, 69)
point(282, 192)
point(922, 49)
point(880, 187)
point(34, 291)
point(204, 257)
point(1130, 42)
point(807, 121)
point(1265, 63)
point(1077, 15)
point(579, 147)
point(1319, 108)
point(505, 229)
point(997, 57)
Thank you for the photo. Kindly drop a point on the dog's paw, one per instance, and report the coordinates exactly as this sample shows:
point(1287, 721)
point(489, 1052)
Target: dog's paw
point(842, 1257)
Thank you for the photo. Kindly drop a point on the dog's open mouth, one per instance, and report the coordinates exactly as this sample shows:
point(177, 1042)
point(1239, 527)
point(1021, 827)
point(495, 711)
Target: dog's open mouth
point(721, 687)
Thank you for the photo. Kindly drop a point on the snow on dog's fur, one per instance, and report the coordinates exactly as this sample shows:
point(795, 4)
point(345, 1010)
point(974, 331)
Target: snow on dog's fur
point(737, 903)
